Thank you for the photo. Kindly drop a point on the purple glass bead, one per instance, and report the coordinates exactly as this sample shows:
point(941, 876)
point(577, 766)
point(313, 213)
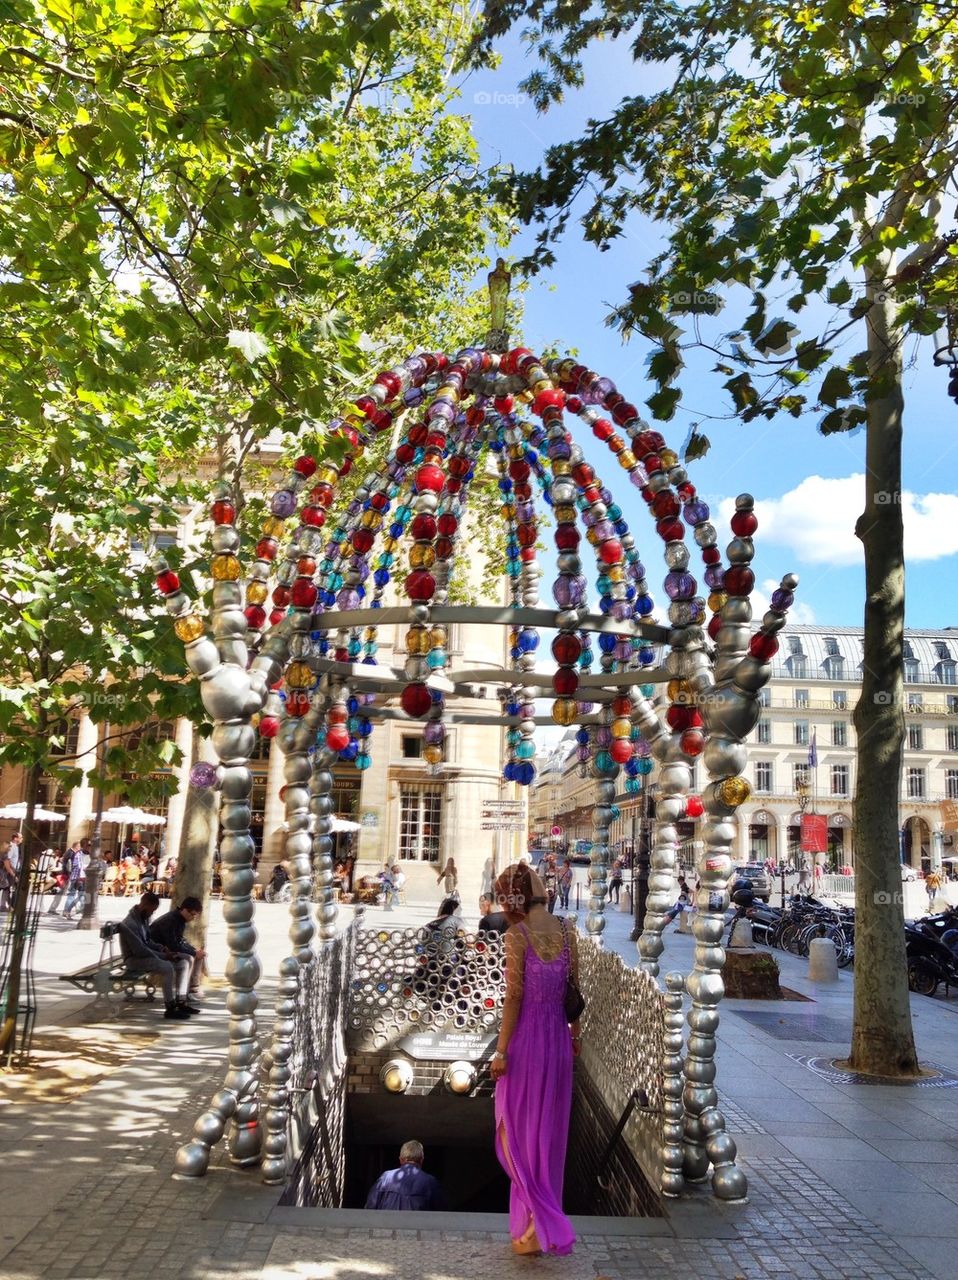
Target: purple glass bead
point(782, 599)
point(603, 530)
point(348, 598)
point(642, 748)
point(638, 476)
point(602, 387)
point(283, 503)
point(434, 733)
point(582, 754)
point(525, 512)
point(559, 450)
point(715, 577)
point(680, 586)
point(360, 564)
point(603, 736)
point(527, 710)
point(354, 508)
point(562, 591)
point(637, 571)
point(588, 518)
point(606, 496)
point(623, 648)
point(440, 409)
point(202, 774)
point(584, 708)
point(621, 610)
point(413, 396)
point(696, 512)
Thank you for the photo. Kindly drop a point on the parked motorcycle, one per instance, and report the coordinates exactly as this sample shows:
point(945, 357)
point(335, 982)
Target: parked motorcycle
point(765, 921)
point(930, 961)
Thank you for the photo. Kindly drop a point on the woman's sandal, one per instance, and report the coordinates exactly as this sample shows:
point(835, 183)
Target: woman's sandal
point(528, 1245)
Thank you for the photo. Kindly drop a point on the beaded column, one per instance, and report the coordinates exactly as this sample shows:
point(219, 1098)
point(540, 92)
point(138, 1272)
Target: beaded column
point(673, 1127)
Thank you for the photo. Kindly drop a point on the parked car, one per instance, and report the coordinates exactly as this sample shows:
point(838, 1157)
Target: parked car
point(907, 872)
point(754, 871)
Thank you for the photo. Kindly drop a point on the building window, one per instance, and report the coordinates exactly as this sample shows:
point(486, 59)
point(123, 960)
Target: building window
point(834, 667)
point(840, 699)
point(916, 784)
point(411, 747)
point(765, 731)
point(953, 737)
point(420, 822)
point(952, 701)
point(64, 737)
point(946, 673)
point(800, 775)
point(763, 775)
point(801, 697)
point(801, 733)
point(839, 779)
point(765, 697)
point(915, 737)
point(915, 702)
point(951, 784)
point(839, 733)
point(798, 667)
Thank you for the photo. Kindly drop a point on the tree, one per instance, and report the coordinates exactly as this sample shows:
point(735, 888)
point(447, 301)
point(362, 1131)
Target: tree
point(797, 157)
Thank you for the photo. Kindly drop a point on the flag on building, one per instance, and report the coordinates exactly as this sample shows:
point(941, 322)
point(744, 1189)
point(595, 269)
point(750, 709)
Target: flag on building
point(813, 751)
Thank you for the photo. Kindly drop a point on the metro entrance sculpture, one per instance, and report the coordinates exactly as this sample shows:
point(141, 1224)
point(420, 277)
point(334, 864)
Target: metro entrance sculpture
point(291, 650)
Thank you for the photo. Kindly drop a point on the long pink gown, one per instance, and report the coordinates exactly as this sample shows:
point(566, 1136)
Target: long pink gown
point(534, 1102)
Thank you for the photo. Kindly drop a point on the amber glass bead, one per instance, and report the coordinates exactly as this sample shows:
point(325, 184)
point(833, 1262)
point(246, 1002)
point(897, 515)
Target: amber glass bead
point(189, 628)
point(225, 568)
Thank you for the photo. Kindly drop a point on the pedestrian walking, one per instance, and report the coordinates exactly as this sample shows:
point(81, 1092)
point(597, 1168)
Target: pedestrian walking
point(932, 885)
point(615, 883)
point(448, 880)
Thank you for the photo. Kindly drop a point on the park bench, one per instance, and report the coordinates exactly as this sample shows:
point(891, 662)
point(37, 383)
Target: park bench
point(109, 975)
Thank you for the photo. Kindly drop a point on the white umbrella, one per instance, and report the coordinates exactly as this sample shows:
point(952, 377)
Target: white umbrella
point(342, 824)
point(19, 812)
point(127, 815)
point(949, 859)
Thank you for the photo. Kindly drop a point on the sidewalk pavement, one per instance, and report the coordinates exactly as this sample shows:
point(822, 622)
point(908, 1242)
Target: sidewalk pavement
point(847, 1180)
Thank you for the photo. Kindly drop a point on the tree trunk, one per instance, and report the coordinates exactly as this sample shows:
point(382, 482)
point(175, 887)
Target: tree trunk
point(13, 978)
point(194, 858)
point(882, 1038)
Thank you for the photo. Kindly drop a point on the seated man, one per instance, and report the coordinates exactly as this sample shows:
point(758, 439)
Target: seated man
point(167, 932)
point(407, 1187)
point(491, 920)
point(142, 955)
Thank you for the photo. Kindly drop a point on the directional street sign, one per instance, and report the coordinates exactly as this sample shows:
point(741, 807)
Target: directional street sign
point(495, 825)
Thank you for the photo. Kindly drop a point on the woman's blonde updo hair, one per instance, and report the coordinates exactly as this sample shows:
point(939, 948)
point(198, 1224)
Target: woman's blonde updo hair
point(517, 889)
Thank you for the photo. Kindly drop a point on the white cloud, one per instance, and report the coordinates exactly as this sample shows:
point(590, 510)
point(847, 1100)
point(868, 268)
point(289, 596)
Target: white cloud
point(816, 520)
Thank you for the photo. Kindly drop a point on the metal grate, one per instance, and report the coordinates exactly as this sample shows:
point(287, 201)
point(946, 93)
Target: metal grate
point(811, 1027)
point(941, 1078)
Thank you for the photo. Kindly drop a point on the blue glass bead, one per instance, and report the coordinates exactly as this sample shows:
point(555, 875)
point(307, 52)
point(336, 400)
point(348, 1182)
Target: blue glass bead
point(509, 771)
point(644, 605)
point(526, 749)
point(435, 659)
point(646, 656)
point(371, 647)
point(644, 764)
point(369, 662)
point(632, 767)
point(621, 527)
point(514, 652)
point(513, 736)
point(505, 486)
point(633, 786)
point(350, 751)
point(528, 641)
point(604, 762)
point(582, 737)
point(525, 773)
point(363, 761)
point(514, 568)
point(615, 811)
point(354, 648)
point(512, 550)
point(606, 641)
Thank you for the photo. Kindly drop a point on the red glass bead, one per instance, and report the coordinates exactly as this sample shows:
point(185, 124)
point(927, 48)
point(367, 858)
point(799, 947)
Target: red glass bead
point(744, 524)
point(682, 717)
point(567, 537)
point(670, 530)
point(715, 625)
point(692, 742)
point(297, 703)
point(337, 738)
point(694, 807)
point(367, 406)
point(436, 440)
point(362, 540)
point(337, 713)
point(420, 585)
point(577, 373)
point(475, 416)
point(763, 647)
point(416, 700)
point(453, 484)
point(405, 453)
point(268, 726)
point(417, 433)
point(323, 494)
point(526, 535)
point(314, 516)
point(389, 381)
point(459, 467)
point(443, 548)
point(582, 473)
point(665, 505)
point(648, 442)
point(610, 551)
point(527, 554)
point(304, 593)
point(552, 396)
point(624, 412)
point(591, 494)
point(519, 469)
point(566, 648)
point(382, 420)
point(621, 750)
point(423, 527)
point(255, 616)
point(652, 463)
point(345, 467)
point(429, 478)
point(223, 512)
point(341, 655)
point(621, 706)
point(573, 404)
point(276, 615)
point(168, 582)
point(379, 501)
point(447, 524)
point(266, 549)
point(305, 465)
point(523, 492)
point(613, 398)
point(306, 566)
point(739, 580)
point(686, 492)
point(565, 681)
point(282, 595)
point(503, 404)
point(711, 555)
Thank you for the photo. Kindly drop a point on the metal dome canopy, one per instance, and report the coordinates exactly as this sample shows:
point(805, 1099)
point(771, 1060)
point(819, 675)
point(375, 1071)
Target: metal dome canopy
point(307, 670)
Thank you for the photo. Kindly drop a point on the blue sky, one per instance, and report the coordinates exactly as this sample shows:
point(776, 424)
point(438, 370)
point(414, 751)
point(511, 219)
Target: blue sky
point(809, 489)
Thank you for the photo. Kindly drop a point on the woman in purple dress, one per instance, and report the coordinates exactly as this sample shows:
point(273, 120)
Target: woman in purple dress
point(532, 1064)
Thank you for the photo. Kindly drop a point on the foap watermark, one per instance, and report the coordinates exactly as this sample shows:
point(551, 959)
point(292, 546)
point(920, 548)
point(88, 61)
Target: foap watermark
point(883, 698)
point(695, 300)
point(887, 898)
point(495, 98)
point(887, 498)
